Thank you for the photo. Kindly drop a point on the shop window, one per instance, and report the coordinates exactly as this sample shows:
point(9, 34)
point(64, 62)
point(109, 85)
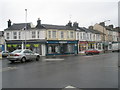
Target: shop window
point(53, 48)
point(99, 46)
point(70, 48)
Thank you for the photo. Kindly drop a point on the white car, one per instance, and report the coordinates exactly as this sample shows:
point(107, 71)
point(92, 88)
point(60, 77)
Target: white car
point(23, 55)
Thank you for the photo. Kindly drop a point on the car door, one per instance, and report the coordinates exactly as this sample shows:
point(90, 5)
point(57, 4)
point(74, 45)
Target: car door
point(32, 55)
point(27, 54)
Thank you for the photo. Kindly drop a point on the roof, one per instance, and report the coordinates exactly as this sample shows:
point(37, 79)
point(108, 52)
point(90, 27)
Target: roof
point(59, 27)
point(19, 26)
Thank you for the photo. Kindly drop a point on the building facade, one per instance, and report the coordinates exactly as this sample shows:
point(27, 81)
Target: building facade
point(2, 41)
point(110, 35)
point(33, 37)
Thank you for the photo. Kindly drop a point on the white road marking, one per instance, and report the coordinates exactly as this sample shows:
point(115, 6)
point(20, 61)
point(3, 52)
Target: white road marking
point(88, 56)
point(74, 88)
point(70, 87)
point(54, 59)
point(7, 69)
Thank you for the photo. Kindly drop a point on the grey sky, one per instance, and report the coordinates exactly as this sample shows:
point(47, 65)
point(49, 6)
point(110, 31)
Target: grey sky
point(59, 12)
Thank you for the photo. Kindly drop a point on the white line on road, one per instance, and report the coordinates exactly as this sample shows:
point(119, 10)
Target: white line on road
point(7, 69)
point(52, 59)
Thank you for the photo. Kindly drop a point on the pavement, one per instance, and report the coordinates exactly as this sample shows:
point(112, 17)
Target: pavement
point(92, 71)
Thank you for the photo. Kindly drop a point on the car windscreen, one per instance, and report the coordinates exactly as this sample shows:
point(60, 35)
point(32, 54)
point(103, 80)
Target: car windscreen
point(17, 51)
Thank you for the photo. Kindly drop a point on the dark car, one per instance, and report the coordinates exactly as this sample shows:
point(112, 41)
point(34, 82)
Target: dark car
point(91, 51)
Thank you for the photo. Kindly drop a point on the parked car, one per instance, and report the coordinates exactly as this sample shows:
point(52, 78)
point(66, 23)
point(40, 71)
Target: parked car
point(23, 55)
point(91, 52)
point(5, 53)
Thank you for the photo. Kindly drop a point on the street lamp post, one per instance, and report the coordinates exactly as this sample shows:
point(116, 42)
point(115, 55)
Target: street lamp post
point(104, 35)
point(25, 27)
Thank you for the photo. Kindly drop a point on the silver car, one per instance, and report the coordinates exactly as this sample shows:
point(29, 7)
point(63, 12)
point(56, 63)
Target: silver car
point(23, 55)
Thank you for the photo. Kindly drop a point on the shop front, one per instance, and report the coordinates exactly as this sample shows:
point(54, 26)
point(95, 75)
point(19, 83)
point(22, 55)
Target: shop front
point(61, 47)
point(91, 45)
point(35, 46)
point(2, 48)
point(83, 45)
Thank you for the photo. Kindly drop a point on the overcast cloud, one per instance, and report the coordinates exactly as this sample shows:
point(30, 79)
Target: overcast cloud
point(59, 12)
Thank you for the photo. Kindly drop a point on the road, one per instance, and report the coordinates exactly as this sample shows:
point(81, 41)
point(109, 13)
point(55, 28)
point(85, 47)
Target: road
point(97, 71)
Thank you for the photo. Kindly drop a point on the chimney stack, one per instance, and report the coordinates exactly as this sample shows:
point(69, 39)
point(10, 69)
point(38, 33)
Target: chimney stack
point(91, 27)
point(75, 24)
point(102, 23)
point(9, 23)
point(111, 26)
point(69, 24)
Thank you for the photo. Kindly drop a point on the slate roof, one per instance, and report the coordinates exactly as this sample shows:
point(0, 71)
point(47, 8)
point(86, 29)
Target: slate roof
point(59, 27)
point(18, 26)
point(90, 30)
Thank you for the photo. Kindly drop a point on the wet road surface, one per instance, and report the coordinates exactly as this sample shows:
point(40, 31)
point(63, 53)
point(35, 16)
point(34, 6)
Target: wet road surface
point(97, 71)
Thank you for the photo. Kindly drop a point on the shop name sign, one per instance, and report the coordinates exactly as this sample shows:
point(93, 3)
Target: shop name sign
point(62, 41)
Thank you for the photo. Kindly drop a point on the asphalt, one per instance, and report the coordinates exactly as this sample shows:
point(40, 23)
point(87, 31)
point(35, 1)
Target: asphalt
point(97, 71)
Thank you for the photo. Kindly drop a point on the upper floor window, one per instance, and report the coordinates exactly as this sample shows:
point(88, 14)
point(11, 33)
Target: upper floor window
point(62, 34)
point(84, 36)
point(14, 35)
point(7, 35)
point(71, 34)
point(68, 34)
point(81, 35)
point(33, 34)
point(38, 34)
point(19, 35)
point(90, 36)
point(87, 35)
point(54, 34)
point(49, 34)
point(78, 36)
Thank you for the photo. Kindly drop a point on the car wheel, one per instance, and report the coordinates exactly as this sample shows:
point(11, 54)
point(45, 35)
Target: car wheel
point(23, 60)
point(37, 58)
point(12, 61)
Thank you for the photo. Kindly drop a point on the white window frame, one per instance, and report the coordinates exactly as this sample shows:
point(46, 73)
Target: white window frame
point(19, 35)
point(62, 34)
point(49, 34)
point(7, 35)
point(15, 35)
point(38, 34)
point(71, 34)
point(33, 34)
point(54, 34)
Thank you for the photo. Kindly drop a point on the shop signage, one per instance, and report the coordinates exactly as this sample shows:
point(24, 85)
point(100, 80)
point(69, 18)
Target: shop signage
point(62, 41)
point(36, 45)
point(27, 45)
point(14, 45)
point(9, 45)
